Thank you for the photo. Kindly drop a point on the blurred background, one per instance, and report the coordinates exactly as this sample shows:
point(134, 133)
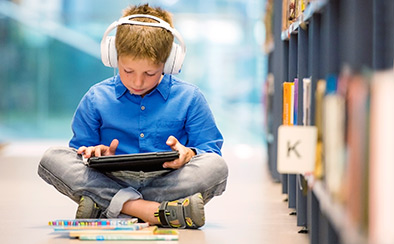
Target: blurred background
point(50, 56)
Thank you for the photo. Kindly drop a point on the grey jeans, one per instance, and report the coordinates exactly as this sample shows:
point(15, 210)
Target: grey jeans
point(63, 168)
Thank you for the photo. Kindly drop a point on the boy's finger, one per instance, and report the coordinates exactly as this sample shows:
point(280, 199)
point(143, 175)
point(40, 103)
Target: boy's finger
point(97, 151)
point(113, 146)
point(81, 150)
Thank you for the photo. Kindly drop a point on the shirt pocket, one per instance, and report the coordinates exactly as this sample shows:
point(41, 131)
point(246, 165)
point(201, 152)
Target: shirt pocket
point(166, 128)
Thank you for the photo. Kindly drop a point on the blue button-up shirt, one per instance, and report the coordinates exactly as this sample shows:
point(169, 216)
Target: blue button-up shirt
point(109, 111)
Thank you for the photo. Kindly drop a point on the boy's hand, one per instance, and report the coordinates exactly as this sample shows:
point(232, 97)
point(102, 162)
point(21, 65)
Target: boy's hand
point(185, 154)
point(100, 150)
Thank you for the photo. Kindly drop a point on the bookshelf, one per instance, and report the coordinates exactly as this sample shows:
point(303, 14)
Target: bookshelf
point(326, 37)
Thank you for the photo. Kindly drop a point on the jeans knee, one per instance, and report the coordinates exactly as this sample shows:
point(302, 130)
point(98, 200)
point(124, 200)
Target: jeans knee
point(55, 158)
point(219, 165)
point(48, 156)
point(215, 182)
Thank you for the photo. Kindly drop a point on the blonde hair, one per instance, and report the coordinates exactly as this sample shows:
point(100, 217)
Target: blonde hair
point(145, 42)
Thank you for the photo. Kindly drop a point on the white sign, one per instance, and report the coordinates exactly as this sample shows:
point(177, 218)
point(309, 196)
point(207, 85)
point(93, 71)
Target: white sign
point(296, 149)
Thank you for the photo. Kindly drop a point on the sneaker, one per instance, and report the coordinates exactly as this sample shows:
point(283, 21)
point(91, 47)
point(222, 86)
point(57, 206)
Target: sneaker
point(183, 213)
point(87, 209)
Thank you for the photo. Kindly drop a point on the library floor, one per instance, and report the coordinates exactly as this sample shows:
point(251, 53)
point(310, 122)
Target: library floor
point(252, 210)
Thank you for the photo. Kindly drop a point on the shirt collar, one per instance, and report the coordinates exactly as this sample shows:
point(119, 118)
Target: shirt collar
point(120, 89)
point(163, 88)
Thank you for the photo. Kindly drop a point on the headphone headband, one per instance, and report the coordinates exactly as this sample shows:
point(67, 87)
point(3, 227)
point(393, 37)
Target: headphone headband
point(108, 42)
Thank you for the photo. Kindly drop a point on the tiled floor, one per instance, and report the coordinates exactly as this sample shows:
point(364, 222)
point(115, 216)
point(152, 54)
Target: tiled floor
point(250, 211)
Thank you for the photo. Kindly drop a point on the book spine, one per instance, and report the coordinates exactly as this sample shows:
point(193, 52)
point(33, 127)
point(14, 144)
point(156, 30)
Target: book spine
point(129, 238)
point(319, 95)
point(357, 103)
point(287, 103)
point(306, 100)
point(333, 131)
point(295, 116)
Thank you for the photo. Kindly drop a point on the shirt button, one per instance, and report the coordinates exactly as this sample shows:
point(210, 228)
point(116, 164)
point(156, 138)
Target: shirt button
point(142, 135)
point(142, 108)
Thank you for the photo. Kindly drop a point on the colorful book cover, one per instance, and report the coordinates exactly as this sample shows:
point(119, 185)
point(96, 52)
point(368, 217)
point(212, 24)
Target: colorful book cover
point(112, 229)
point(288, 108)
point(73, 224)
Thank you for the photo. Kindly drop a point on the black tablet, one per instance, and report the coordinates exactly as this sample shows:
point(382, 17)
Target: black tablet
point(135, 162)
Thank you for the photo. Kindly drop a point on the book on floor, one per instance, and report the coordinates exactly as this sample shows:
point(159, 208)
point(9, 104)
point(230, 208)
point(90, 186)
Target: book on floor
point(112, 229)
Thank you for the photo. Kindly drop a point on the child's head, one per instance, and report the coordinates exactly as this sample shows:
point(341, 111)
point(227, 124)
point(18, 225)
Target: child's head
point(145, 42)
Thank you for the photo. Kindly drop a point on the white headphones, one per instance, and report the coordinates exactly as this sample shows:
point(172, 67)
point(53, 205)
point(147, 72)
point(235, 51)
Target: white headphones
point(174, 61)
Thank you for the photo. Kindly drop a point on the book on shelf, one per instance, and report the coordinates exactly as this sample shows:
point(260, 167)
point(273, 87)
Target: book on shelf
point(303, 4)
point(291, 11)
point(285, 15)
point(269, 44)
point(306, 101)
point(267, 101)
point(289, 15)
point(333, 137)
point(356, 183)
point(288, 103)
point(295, 101)
point(381, 181)
point(319, 95)
point(306, 121)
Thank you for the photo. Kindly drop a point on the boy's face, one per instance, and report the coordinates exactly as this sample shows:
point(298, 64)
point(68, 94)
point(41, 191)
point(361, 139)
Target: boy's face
point(139, 76)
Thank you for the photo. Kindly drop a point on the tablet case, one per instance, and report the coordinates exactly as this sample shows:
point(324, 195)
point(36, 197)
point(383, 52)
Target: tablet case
point(135, 162)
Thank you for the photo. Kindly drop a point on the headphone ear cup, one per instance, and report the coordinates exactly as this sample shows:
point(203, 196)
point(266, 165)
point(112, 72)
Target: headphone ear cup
point(174, 61)
point(109, 56)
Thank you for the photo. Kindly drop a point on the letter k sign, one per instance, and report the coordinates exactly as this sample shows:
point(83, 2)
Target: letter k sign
point(292, 148)
point(296, 149)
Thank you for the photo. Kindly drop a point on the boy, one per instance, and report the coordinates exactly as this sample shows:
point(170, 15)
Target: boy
point(142, 109)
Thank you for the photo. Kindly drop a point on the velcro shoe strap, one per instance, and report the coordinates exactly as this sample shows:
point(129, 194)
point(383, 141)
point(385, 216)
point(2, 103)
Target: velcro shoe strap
point(163, 218)
point(170, 213)
point(162, 215)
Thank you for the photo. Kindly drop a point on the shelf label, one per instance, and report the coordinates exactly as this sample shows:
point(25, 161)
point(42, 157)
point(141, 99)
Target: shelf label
point(296, 149)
